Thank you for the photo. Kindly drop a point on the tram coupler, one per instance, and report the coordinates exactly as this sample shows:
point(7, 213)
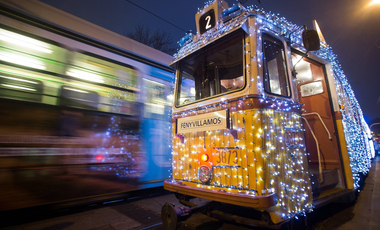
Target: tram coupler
point(171, 217)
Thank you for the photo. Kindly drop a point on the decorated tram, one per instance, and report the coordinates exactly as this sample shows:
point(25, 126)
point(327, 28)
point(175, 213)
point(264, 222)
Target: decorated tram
point(263, 118)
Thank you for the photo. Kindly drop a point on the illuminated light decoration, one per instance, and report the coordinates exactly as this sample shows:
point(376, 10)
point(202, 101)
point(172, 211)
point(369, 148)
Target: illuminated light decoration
point(186, 38)
point(353, 121)
point(210, 36)
point(232, 12)
point(355, 127)
point(22, 60)
point(99, 157)
point(221, 174)
point(24, 41)
point(272, 139)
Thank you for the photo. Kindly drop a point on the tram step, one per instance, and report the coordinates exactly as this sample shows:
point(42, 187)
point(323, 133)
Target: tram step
point(330, 180)
point(337, 195)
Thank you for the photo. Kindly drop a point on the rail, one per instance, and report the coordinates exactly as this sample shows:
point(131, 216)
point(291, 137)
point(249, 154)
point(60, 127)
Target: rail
point(320, 179)
point(307, 114)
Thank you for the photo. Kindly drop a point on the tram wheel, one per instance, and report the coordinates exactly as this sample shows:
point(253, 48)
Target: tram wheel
point(169, 217)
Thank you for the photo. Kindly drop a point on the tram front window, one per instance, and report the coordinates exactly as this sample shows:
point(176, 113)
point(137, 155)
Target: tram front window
point(216, 69)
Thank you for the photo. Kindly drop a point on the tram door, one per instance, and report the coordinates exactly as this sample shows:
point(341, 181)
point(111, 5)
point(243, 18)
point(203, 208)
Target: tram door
point(317, 111)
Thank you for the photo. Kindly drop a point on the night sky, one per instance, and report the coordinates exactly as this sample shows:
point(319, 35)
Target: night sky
point(350, 27)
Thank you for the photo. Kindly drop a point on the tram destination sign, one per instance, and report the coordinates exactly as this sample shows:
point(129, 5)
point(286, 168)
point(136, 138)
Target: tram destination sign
point(207, 21)
point(205, 122)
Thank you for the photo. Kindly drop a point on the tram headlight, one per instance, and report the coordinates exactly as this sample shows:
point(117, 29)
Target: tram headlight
point(205, 174)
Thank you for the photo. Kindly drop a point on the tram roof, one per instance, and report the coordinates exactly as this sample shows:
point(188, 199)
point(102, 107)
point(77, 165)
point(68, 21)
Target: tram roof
point(196, 42)
point(233, 22)
point(267, 21)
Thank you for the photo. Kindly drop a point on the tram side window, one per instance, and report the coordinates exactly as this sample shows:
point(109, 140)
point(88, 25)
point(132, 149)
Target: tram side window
point(25, 51)
point(157, 99)
point(29, 66)
point(275, 73)
point(186, 89)
point(95, 70)
point(79, 98)
point(103, 85)
point(20, 88)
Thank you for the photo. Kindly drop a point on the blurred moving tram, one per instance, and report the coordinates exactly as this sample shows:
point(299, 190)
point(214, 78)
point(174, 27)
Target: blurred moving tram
point(264, 120)
point(84, 111)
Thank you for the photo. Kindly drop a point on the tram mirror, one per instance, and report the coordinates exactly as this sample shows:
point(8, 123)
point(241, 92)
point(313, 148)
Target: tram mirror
point(310, 40)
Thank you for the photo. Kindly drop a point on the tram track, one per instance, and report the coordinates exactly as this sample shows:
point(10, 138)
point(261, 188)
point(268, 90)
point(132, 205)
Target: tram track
point(151, 226)
point(75, 206)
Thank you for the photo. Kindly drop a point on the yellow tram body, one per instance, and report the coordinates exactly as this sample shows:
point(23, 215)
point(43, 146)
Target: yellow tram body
point(244, 136)
point(239, 165)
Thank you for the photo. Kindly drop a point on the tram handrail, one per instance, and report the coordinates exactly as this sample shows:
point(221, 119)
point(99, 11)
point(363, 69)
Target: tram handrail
point(320, 180)
point(324, 125)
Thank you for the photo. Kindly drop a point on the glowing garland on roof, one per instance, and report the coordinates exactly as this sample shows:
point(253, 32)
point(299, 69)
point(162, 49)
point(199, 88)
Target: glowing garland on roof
point(209, 37)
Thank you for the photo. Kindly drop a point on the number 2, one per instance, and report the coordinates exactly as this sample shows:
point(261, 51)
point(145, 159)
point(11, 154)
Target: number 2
point(208, 19)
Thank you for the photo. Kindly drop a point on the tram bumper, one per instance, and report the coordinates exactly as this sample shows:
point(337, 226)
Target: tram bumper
point(246, 200)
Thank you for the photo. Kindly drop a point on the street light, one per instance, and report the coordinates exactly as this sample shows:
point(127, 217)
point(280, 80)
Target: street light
point(374, 2)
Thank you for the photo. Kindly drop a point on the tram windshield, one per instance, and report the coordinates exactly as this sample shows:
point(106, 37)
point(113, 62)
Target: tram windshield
point(216, 69)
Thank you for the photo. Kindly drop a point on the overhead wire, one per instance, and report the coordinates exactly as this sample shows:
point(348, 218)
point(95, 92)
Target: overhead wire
point(163, 19)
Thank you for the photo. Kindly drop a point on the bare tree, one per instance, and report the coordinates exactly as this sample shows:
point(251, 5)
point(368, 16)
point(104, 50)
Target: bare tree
point(160, 40)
